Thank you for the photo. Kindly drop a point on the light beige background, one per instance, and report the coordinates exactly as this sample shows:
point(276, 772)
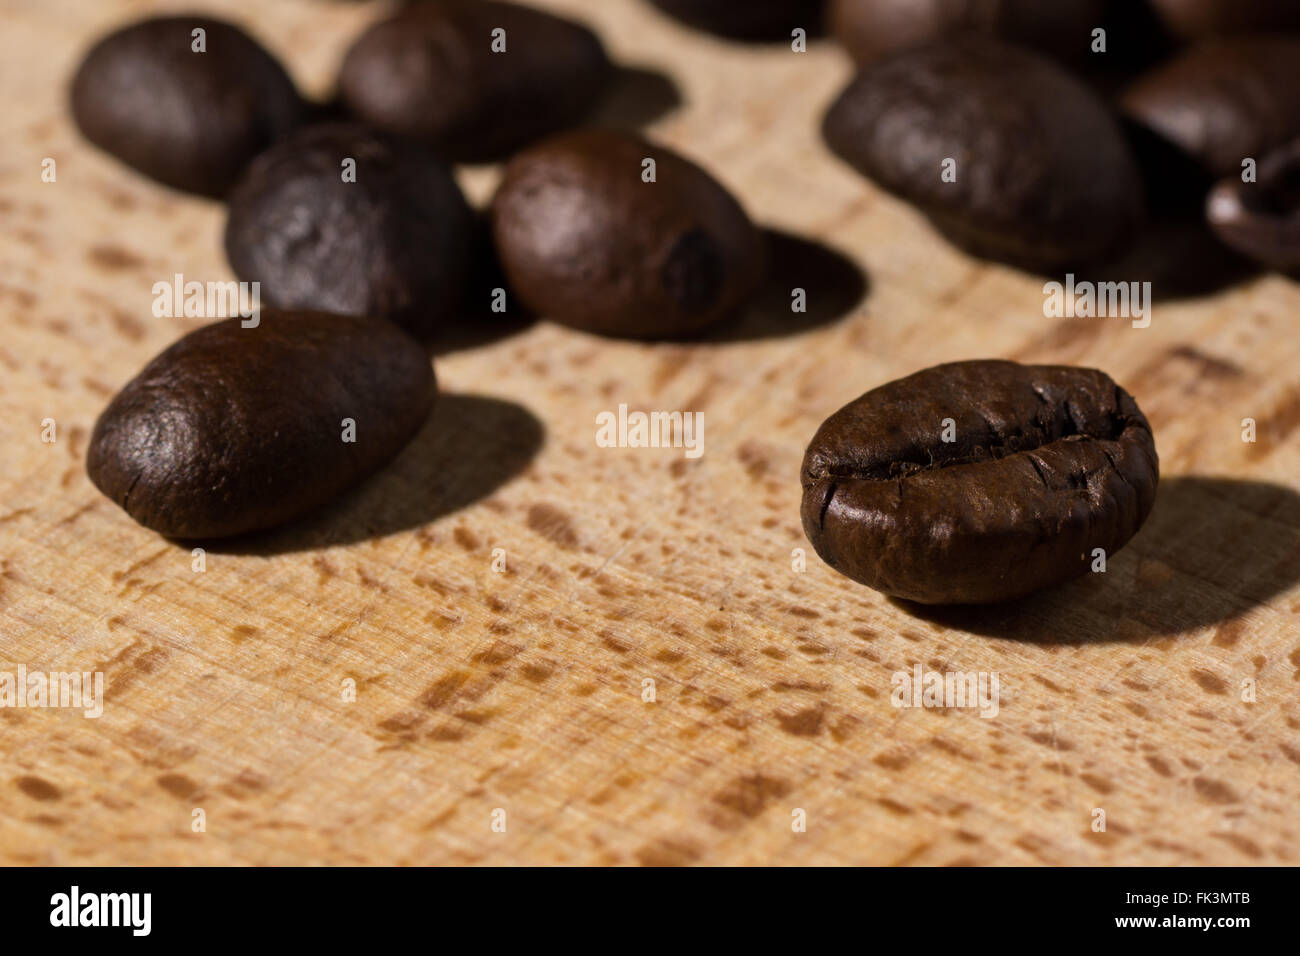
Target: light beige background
point(522, 691)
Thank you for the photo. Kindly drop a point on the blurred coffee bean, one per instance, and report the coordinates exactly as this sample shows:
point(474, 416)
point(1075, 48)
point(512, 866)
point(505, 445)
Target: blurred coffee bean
point(187, 101)
point(475, 79)
point(1261, 219)
point(1195, 19)
point(1222, 101)
point(1009, 156)
point(747, 19)
point(870, 29)
point(339, 218)
point(588, 240)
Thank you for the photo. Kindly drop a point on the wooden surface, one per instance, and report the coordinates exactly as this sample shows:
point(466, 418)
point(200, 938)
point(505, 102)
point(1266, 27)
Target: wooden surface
point(522, 690)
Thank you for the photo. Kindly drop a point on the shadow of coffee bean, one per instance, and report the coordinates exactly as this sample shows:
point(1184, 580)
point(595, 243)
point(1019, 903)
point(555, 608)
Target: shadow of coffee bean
point(468, 448)
point(832, 283)
point(637, 96)
point(477, 321)
point(1181, 258)
point(472, 328)
point(329, 110)
point(1176, 251)
point(1212, 550)
point(754, 21)
point(1135, 42)
point(1174, 183)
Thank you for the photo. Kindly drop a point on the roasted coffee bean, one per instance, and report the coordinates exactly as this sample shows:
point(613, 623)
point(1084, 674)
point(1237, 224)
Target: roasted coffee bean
point(431, 73)
point(189, 119)
point(1261, 219)
point(1223, 101)
point(341, 219)
point(235, 429)
point(585, 240)
point(748, 19)
point(1193, 19)
point(871, 29)
point(977, 482)
point(1038, 173)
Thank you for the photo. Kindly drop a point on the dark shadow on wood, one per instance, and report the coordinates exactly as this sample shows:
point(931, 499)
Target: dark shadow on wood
point(1182, 259)
point(747, 21)
point(476, 321)
point(1135, 42)
point(833, 284)
point(470, 446)
point(637, 96)
point(1212, 550)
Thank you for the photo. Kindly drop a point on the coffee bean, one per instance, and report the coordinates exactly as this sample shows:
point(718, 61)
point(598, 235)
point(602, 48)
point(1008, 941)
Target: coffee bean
point(235, 429)
point(1045, 464)
point(1261, 219)
point(747, 19)
point(1193, 19)
point(430, 73)
point(1223, 100)
point(1043, 177)
point(584, 240)
point(390, 238)
point(188, 119)
point(870, 29)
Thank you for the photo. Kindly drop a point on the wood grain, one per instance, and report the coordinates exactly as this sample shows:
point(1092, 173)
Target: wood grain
point(522, 690)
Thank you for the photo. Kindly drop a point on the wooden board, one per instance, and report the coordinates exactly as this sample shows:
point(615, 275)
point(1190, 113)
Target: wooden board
point(523, 690)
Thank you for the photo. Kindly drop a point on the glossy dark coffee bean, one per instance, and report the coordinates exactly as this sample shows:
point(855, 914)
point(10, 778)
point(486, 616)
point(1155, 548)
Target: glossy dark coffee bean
point(235, 429)
point(1194, 19)
point(871, 29)
point(430, 73)
point(1047, 463)
point(393, 241)
point(189, 119)
point(1261, 219)
point(1043, 176)
point(748, 19)
point(586, 242)
point(1223, 100)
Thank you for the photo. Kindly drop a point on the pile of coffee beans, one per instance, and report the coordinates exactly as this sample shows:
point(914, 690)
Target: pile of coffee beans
point(1007, 123)
point(351, 224)
point(957, 109)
